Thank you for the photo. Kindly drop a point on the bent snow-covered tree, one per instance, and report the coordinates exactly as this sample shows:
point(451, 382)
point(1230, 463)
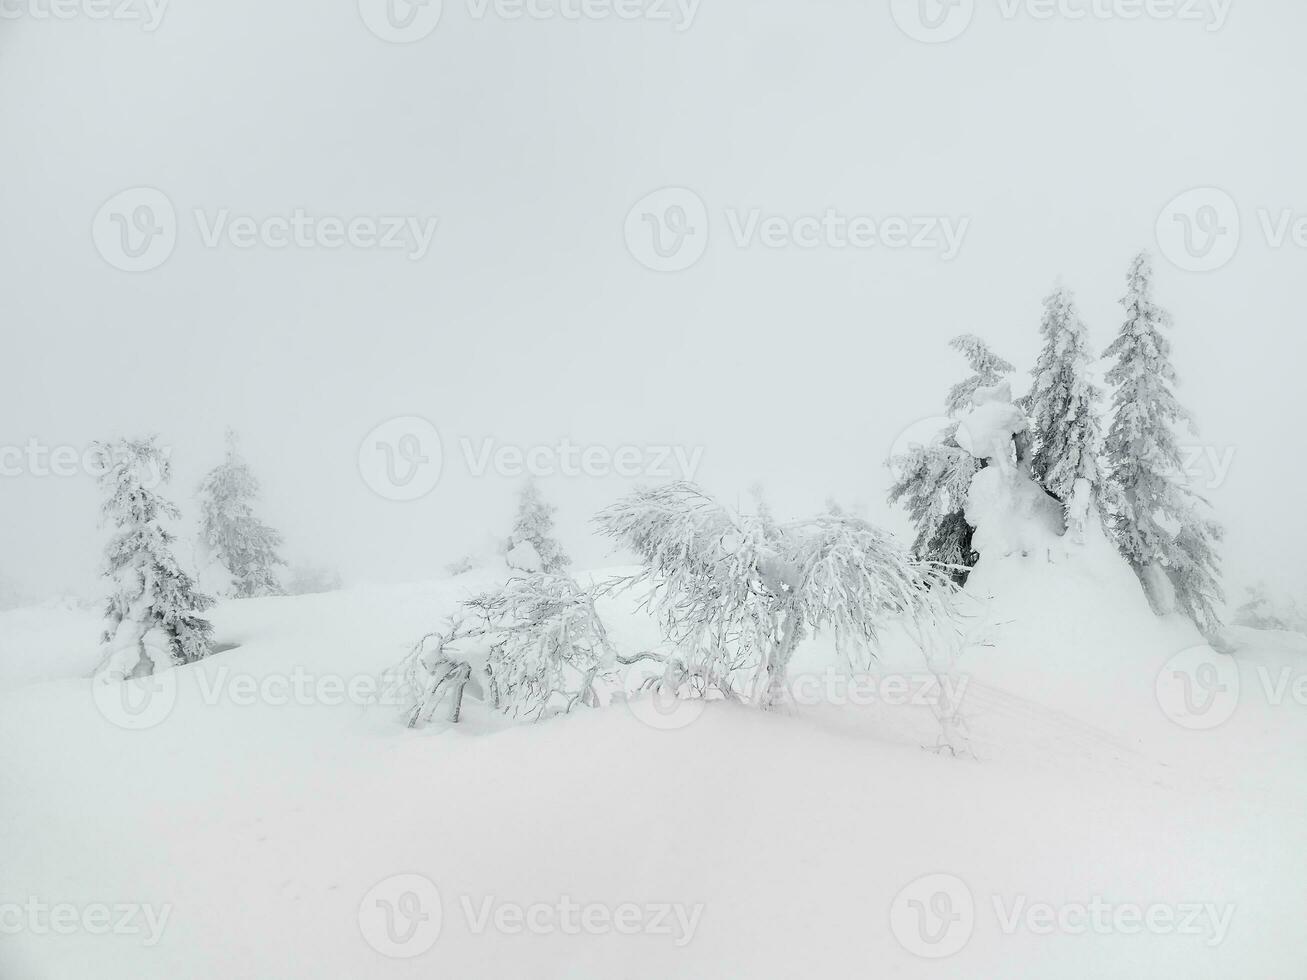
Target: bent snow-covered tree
point(987, 370)
point(229, 530)
point(1158, 522)
point(534, 648)
point(531, 546)
point(153, 616)
point(932, 480)
point(735, 594)
point(1063, 404)
point(932, 486)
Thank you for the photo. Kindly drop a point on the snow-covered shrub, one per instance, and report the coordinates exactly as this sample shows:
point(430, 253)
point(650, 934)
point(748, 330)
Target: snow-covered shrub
point(153, 615)
point(1157, 519)
point(736, 593)
point(532, 649)
point(531, 546)
point(1264, 611)
point(229, 530)
point(461, 567)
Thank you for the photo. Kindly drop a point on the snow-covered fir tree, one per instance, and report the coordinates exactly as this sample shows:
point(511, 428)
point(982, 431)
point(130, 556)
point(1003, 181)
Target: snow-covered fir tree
point(231, 533)
point(154, 613)
point(1157, 521)
point(1195, 569)
point(532, 547)
point(1063, 406)
point(987, 370)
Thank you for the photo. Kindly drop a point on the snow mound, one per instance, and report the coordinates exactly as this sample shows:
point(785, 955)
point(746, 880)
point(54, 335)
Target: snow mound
point(1012, 515)
point(1009, 511)
point(1060, 618)
point(986, 433)
point(262, 826)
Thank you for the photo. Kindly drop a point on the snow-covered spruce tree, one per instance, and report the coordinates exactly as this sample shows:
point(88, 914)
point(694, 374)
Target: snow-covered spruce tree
point(1063, 403)
point(11, 596)
point(153, 616)
point(531, 547)
point(534, 648)
point(1157, 522)
point(987, 370)
point(230, 532)
point(1195, 571)
point(735, 593)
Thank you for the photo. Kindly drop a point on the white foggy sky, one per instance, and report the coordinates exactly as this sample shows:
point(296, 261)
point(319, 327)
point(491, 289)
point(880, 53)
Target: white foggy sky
point(529, 321)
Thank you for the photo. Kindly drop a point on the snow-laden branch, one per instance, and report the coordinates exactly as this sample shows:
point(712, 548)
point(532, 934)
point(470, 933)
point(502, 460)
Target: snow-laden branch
point(534, 648)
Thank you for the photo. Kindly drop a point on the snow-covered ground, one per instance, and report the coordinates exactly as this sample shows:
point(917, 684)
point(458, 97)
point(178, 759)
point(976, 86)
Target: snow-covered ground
point(47, 642)
point(261, 819)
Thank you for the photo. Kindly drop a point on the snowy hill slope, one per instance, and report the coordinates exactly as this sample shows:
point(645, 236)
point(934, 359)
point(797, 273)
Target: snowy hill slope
point(47, 642)
point(254, 827)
